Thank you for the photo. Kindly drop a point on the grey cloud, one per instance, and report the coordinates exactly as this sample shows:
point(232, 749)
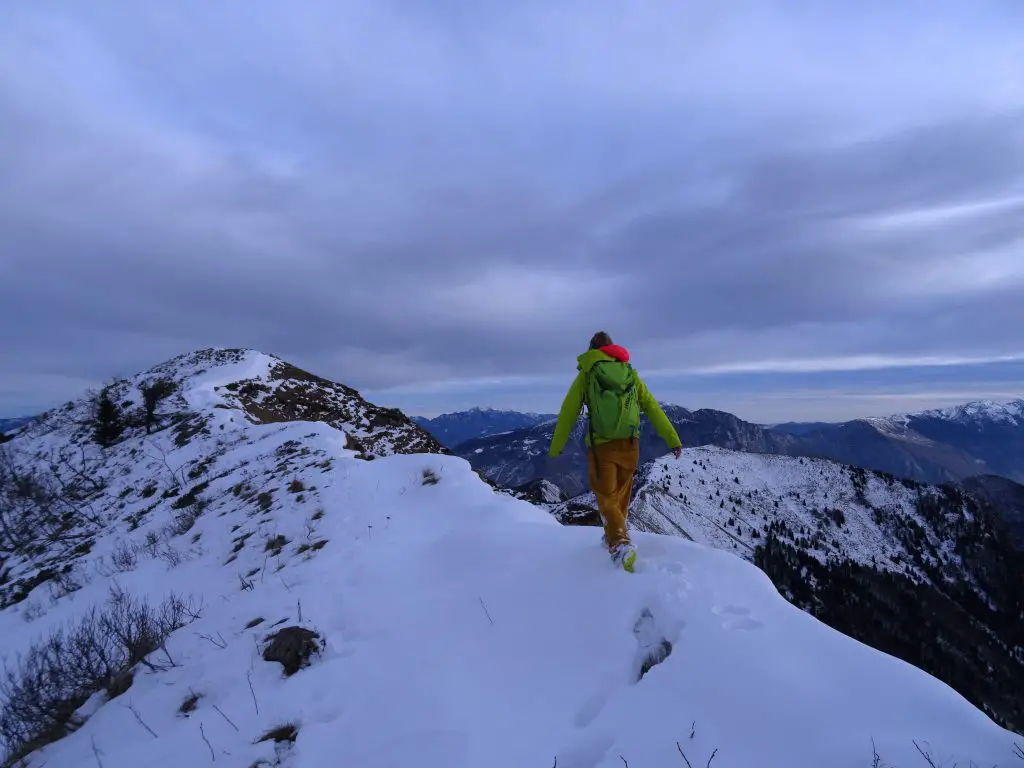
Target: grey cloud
point(392, 195)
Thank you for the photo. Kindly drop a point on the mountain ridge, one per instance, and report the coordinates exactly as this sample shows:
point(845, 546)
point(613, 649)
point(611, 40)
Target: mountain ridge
point(451, 429)
point(436, 610)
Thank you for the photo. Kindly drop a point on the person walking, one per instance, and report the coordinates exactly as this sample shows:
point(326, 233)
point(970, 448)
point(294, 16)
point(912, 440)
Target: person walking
point(614, 395)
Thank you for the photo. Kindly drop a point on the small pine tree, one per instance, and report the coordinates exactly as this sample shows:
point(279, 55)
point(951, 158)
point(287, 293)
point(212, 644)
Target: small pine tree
point(108, 424)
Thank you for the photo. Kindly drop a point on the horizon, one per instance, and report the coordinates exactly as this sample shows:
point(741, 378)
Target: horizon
point(544, 396)
point(787, 213)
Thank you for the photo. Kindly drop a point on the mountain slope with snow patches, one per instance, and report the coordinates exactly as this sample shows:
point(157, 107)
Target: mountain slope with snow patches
point(455, 625)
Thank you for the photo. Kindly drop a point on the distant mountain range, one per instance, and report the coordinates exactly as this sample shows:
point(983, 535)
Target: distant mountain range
point(7, 425)
point(515, 458)
point(451, 429)
point(937, 446)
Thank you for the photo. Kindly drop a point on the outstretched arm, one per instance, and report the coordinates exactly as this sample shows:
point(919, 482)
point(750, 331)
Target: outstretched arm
point(657, 417)
point(567, 416)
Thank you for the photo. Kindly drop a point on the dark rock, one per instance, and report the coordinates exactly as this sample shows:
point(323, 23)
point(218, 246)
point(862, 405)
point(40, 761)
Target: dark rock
point(293, 647)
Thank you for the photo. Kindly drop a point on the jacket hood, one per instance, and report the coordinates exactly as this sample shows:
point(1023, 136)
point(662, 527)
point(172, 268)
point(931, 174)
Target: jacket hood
point(611, 352)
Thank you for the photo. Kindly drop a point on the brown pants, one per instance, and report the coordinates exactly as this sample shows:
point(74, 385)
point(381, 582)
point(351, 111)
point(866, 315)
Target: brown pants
point(610, 467)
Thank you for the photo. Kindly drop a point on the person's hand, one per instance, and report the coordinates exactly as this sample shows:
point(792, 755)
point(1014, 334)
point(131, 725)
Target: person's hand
point(677, 452)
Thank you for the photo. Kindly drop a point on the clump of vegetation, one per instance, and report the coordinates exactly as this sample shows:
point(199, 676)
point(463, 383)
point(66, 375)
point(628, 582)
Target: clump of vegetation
point(152, 394)
point(430, 477)
point(240, 541)
point(59, 673)
point(287, 732)
point(265, 500)
point(189, 704)
point(296, 486)
point(275, 544)
point(190, 497)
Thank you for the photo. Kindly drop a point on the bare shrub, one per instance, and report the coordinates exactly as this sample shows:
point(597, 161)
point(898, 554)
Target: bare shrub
point(65, 582)
point(60, 672)
point(171, 555)
point(151, 545)
point(182, 522)
point(38, 505)
point(125, 557)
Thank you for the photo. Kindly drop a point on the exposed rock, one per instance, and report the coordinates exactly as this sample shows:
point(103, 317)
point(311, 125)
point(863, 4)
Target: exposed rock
point(293, 647)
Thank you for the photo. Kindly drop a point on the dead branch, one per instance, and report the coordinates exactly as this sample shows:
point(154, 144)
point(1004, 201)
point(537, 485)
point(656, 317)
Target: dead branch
point(163, 459)
point(486, 611)
point(248, 676)
point(624, 761)
point(925, 755)
point(711, 758)
point(225, 717)
point(876, 761)
point(141, 721)
point(1018, 751)
point(167, 653)
point(219, 641)
point(96, 752)
point(203, 733)
point(680, 748)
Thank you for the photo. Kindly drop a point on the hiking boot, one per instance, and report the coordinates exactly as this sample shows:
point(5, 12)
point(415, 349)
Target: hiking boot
point(625, 556)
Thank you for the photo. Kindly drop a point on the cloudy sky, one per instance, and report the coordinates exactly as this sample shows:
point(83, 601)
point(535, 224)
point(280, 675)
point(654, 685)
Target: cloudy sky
point(789, 209)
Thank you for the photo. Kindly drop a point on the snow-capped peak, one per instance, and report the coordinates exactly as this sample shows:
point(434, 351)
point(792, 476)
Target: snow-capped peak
point(1011, 412)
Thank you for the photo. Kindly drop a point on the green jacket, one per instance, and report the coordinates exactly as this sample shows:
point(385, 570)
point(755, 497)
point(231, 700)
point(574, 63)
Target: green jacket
point(574, 400)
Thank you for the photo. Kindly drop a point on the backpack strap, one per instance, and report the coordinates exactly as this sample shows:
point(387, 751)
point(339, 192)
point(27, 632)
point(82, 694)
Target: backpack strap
point(590, 421)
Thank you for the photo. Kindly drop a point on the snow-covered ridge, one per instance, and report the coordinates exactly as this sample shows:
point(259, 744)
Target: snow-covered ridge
point(976, 411)
point(728, 500)
point(1011, 412)
point(260, 388)
point(462, 627)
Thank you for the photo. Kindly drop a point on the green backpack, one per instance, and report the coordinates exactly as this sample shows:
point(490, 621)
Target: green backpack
point(613, 406)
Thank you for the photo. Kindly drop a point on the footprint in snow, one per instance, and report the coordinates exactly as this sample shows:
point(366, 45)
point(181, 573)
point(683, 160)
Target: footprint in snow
point(653, 647)
point(736, 617)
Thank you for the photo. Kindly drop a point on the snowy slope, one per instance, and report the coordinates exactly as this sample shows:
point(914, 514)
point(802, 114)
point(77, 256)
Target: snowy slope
point(929, 573)
point(462, 627)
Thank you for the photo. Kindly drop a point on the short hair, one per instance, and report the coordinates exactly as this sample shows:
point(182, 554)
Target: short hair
point(600, 339)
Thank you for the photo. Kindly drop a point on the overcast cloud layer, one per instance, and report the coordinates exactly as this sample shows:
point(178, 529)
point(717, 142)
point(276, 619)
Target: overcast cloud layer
point(426, 199)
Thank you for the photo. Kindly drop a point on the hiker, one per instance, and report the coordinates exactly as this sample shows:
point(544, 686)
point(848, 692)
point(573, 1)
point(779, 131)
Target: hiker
point(614, 395)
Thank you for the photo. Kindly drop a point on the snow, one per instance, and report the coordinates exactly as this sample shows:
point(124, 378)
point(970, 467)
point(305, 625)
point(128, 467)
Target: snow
point(463, 628)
